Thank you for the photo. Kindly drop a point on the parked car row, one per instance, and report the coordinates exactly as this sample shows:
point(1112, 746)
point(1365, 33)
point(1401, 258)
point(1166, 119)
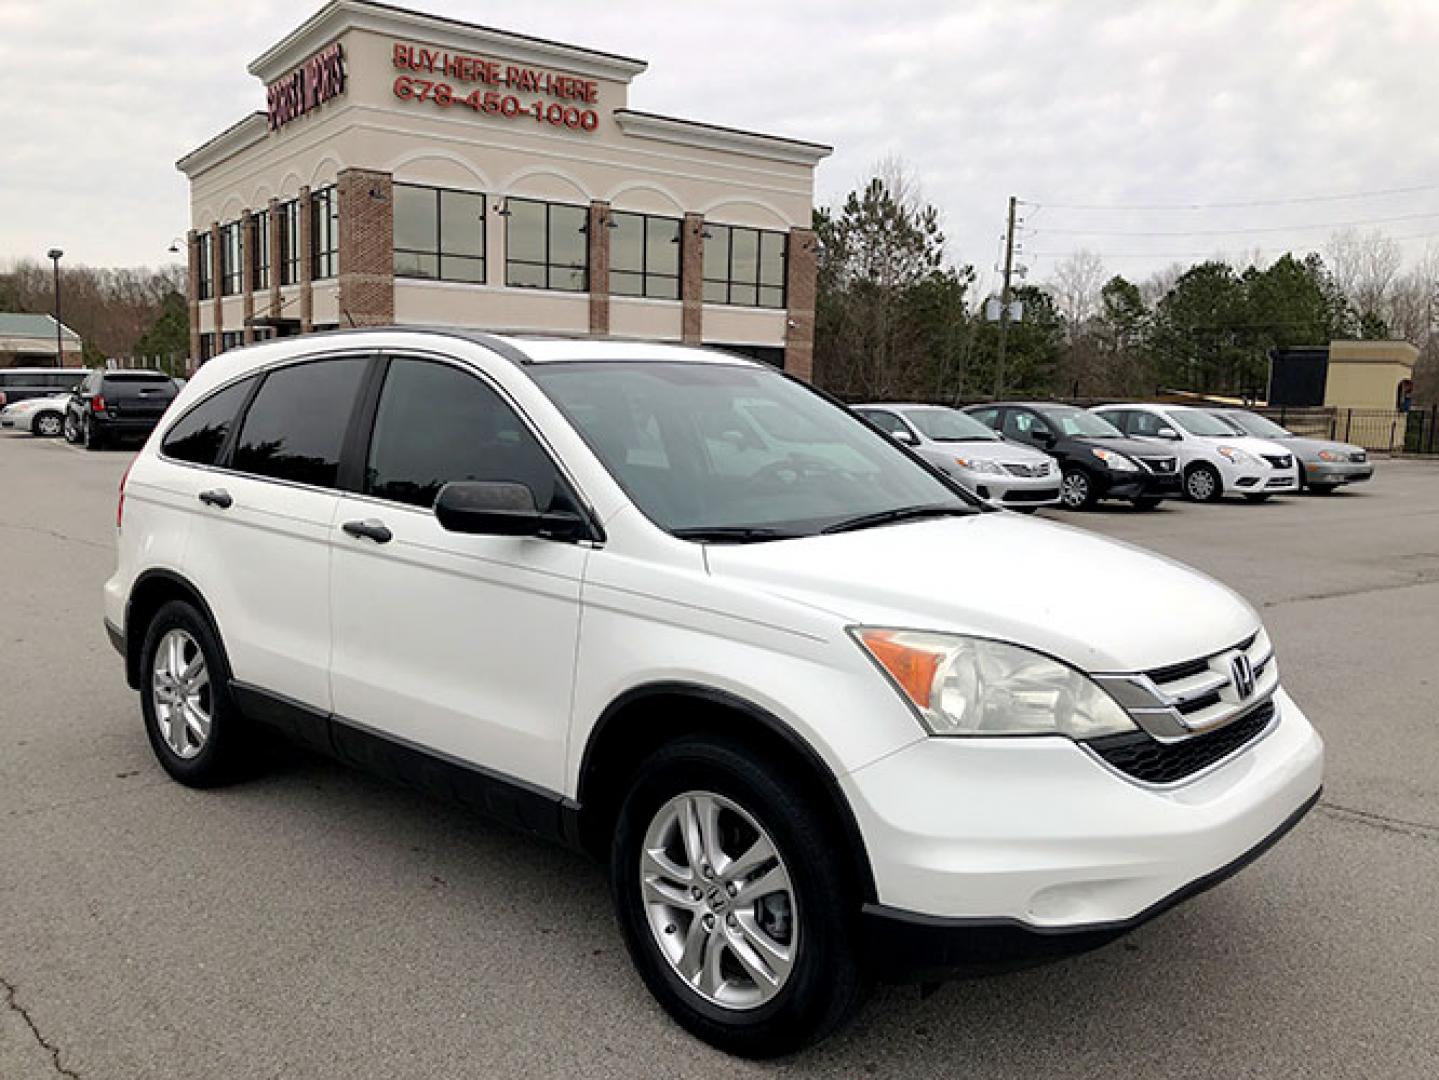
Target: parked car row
point(103, 406)
point(1025, 454)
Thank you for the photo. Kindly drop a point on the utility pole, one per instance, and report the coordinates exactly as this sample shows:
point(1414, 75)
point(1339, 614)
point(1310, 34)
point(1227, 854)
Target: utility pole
point(1004, 300)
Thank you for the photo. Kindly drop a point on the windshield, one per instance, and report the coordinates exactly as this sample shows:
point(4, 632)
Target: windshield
point(709, 448)
point(1203, 424)
point(950, 425)
point(1075, 421)
point(1249, 423)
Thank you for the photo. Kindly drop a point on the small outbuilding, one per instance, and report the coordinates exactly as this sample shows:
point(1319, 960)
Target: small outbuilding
point(28, 340)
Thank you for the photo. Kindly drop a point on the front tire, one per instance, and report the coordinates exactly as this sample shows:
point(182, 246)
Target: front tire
point(47, 425)
point(192, 722)
point(1147, 502)
point(1202, 483)
point(1076, 490)
point(72, 429)
point(734, 907)
point(1322, 489)
point(1258, 497)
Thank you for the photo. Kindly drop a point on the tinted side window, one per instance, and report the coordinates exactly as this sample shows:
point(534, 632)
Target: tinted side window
point(1142, 423)
point(435, 423)
point(1123, 419)
point(295, 427)
point(885, 421)
point(201, 432)
point(1021, 425)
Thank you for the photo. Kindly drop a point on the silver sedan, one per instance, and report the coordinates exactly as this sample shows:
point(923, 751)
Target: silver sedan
point(1323, 463)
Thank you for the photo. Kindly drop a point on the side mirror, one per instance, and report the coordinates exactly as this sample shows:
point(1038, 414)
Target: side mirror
point(1043, 436)
point(501, 508)
point(907, 437)
point(1167, 433)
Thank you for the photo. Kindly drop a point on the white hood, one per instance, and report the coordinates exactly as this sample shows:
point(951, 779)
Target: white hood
point(1100, 604)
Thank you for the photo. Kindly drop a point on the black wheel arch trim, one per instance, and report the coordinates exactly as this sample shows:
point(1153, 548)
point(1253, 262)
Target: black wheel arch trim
point(849, 825)
point(134, 642)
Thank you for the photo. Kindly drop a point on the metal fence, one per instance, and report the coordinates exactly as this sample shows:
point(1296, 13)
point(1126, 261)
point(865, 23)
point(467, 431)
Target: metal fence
point(1386, 430)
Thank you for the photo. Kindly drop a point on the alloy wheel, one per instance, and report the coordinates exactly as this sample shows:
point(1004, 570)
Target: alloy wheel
point(1200, 484)
point(1074, 490)
point(184, 705)
point(719, 900)
point(48, 425)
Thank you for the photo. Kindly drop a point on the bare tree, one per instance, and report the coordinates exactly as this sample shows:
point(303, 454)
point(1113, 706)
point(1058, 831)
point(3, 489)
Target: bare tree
point(1075, 286)
point(1364, 267)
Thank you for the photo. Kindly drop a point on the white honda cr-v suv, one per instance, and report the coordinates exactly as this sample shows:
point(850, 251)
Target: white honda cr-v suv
point(822, 714)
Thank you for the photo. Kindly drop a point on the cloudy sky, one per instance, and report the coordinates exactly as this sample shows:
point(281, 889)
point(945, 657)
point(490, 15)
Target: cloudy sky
point(1152, 107)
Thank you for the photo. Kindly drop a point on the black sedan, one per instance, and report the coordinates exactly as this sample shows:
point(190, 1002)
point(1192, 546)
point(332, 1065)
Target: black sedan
point(1097, 460)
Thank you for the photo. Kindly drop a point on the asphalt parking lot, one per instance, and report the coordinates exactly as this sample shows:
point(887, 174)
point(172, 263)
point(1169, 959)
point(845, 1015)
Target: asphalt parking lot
point(318, 923)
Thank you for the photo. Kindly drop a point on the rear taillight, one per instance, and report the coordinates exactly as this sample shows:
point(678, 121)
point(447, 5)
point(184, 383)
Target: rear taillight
point(97, 403)
point(3, 399)
point(120, 505)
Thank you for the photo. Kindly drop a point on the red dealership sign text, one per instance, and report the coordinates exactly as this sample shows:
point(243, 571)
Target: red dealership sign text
point(309, 86)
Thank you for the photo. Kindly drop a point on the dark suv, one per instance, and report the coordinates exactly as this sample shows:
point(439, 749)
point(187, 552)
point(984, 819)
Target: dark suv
point(1098, 461)
point(110, 405)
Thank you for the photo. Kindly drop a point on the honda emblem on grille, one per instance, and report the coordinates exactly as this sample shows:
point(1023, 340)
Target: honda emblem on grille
point(1243, 675)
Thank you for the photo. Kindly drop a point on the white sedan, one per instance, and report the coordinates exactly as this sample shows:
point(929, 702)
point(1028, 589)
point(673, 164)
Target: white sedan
point(39, 416)
point(1213, 460)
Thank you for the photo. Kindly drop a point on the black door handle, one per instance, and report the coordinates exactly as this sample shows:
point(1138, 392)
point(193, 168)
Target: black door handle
point(217, 497)
point(370, 529)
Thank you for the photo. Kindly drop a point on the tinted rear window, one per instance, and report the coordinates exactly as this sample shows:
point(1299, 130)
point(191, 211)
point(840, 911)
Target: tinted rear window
point(130, 386)
point(201, 433)
point(295, 427)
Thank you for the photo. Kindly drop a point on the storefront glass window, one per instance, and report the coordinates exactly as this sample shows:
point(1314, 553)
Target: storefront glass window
point(644, 256)
point(204, 279)
point(289, 242)
point(324, 233)
point(744, 266)
point(546, 246)
point(439, 234)
point(230, 259)
point(260, 249)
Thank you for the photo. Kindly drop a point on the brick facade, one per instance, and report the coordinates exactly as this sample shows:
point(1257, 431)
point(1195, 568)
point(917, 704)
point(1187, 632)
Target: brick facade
point(215, 288)
point(307, 268)
point(273, 219)
point(801, 268)
point(366, 247)
point(692, 284)
point(247, 275)
point(192, 293)
point(599, 254)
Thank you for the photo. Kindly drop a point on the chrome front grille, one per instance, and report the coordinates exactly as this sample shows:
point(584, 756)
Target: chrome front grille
point(1016, 468)
point(1279, 461)
point(1159, 464)
point(1186, 699)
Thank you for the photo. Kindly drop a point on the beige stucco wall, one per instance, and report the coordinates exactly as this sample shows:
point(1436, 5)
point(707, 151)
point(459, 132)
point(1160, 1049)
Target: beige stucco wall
point(1367, 374)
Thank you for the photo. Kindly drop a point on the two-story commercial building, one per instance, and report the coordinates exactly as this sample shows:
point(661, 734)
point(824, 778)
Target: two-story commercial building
point(413, 169)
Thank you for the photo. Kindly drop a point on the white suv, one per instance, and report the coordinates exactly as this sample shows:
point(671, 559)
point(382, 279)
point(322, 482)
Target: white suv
point(1214, 459)
point(823, 714)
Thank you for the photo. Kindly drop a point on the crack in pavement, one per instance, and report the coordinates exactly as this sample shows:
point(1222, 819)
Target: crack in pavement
point(1420, 579)
point(56, 534)
point(1417, 829)
point(12, 1000)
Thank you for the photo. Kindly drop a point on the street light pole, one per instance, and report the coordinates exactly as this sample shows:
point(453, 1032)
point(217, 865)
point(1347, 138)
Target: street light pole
point(54, 255)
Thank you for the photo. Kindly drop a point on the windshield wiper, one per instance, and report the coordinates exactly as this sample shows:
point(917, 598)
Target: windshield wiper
point(734, 534)
point(903, 513)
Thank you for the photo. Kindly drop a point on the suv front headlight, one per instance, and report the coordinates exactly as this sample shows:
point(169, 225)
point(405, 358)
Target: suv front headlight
point(973, 686)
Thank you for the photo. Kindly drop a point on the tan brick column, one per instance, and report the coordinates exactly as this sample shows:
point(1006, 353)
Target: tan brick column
point(219, 327)
point(599, 252)
point(801, 267)
point(273, 221)
point(367, 246)
point(247, 274)
point(692, 279)
point(307, 286)
point(192, 294)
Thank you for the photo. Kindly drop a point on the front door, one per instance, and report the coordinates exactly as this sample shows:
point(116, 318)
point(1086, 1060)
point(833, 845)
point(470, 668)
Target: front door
point(453, 643)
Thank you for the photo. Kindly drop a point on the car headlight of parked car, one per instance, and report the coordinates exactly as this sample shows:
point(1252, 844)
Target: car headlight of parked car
point(978, 465)
point(1330, 455)
point(1237, 456)
point(1116, 461)
point(973, 686)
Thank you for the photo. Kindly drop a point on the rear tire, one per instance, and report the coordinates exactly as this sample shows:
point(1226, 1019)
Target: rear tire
point(1202, 483)
point(690, 930)
point(194, 726)
point(1076, 490)
point(72, 429)
point(47, 425)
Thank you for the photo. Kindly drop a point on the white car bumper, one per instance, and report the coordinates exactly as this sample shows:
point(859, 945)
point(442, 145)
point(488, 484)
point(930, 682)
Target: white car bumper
point(1038, 833)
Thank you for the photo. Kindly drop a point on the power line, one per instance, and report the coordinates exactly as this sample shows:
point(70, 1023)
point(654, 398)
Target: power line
point(1211, 253)
point(1310, 227)
point(1241, 203)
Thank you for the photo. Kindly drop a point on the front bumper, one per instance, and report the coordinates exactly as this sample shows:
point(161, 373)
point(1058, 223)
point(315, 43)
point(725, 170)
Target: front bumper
point(1140, 485)
point(1035, 836)
point(1014, 490)
point(1337, 472)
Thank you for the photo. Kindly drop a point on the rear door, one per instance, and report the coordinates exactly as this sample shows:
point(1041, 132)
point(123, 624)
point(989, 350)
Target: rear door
point(457, 643)
point(259, 547)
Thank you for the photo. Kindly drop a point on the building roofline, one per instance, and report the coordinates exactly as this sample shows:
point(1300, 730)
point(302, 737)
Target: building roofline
point(340, 15)
point(239, 136)
point(672, 129)
point(48, 334)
